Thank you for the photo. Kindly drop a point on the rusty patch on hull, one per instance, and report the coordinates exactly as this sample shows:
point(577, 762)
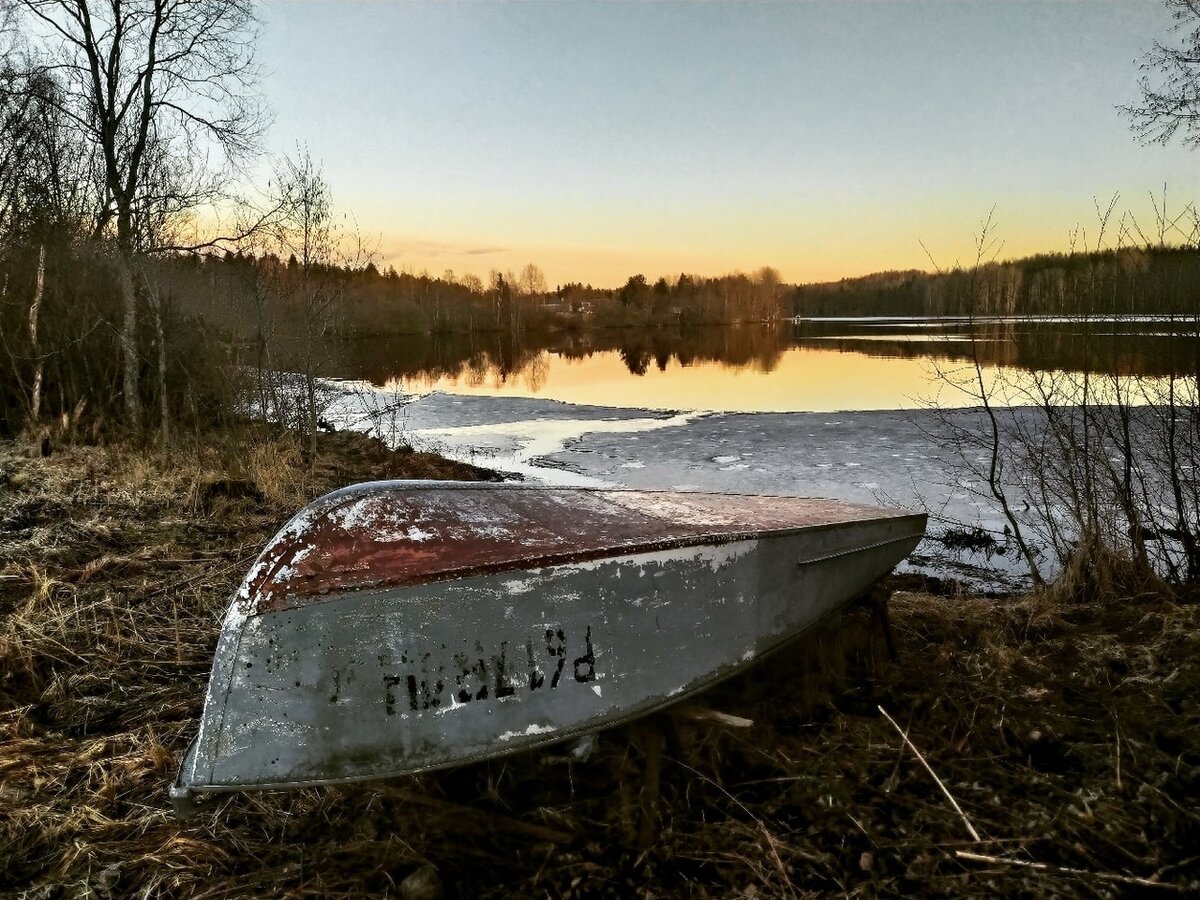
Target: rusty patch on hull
point(393, 534)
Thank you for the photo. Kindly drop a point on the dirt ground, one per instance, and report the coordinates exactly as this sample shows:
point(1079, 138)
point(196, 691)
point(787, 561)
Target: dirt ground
point(1067, 736)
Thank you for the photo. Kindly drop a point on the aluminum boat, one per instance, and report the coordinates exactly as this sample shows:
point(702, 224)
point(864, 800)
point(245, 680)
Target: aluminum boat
point(402, 626)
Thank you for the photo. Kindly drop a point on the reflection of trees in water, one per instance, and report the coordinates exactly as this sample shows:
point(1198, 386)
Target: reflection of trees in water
point(1126, 348)
point(738, 347)
point(477, 368)
point(636, 359)
point(536, 371)
point(498, 358)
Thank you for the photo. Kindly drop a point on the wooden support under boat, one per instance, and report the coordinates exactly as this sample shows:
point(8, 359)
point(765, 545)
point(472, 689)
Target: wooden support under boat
point(398, 627)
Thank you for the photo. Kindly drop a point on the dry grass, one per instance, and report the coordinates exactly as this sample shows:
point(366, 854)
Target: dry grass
point(1095, 572)
point(1068, 733)
point(277, 469)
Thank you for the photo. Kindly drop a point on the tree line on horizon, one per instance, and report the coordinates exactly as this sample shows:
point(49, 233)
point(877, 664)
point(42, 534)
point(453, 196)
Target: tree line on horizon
point(1162, 280)
point(1151, 280)
point(225, 290)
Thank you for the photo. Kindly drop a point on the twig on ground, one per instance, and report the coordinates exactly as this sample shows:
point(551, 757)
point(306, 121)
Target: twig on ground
point(1064, 870)
point(704, 714)
point(933, 774)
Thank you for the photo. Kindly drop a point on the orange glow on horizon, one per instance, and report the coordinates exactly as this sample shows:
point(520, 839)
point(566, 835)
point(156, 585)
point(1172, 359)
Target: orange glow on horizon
point(807, 259)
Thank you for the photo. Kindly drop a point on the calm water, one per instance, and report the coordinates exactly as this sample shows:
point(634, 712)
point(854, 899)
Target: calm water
point(815, 365)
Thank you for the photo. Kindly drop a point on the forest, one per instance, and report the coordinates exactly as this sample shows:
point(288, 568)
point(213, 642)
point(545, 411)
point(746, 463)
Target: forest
point(241, 295)
point(1148, 280)
point(247, 296)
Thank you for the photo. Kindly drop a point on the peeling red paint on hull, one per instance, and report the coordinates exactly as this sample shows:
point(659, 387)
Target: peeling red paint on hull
point(402, 626)
point(391, 536)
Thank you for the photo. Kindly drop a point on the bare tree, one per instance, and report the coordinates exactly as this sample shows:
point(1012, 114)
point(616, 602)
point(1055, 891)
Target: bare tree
point(39, 290)
point(531, 281)
point(1095, 465)
point(45, 178)
point(1170, 81)
point(984, 453)
point(325, 256)
point(156, 86)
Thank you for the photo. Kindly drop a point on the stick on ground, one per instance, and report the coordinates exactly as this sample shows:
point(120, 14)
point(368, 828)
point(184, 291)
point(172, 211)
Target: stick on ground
point(1063, 870)
point(929, 769)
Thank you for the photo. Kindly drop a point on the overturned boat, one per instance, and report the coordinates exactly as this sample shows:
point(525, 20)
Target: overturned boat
point(401, 626)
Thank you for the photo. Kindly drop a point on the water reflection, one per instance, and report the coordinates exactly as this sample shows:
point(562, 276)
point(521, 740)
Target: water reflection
point(817, 365)
point(1125, 346)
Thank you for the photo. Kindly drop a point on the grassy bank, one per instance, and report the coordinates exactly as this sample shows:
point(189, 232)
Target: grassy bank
point(1069, 735)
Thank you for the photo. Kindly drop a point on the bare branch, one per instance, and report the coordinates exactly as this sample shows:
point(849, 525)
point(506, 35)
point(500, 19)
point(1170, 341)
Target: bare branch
point(1170, 82)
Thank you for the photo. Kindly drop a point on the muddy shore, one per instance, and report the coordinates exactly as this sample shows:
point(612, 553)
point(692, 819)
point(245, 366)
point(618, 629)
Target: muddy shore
point(1069, 736)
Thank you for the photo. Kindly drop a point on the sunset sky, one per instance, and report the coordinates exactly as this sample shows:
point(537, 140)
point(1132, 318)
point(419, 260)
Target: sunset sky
point(826, 139)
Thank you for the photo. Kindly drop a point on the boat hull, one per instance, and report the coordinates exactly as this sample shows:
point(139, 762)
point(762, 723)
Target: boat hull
point(372, 683)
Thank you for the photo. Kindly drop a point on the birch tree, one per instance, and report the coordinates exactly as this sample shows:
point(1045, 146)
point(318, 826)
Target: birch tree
point(154, 86)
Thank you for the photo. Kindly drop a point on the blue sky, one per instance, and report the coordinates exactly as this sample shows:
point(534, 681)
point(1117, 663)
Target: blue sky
point(823, 138)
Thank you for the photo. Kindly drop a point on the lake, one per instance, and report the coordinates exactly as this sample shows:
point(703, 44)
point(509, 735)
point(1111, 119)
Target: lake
point(817, 365)
point(830, 408)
